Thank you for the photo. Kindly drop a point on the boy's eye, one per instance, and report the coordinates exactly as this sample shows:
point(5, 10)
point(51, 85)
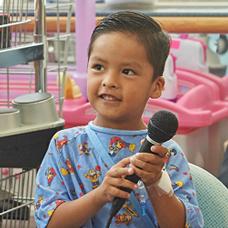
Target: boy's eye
point(98, 67)
point(128, 72)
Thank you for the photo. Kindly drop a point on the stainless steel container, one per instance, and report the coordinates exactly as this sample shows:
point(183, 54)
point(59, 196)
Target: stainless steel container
point(9, 118)
point(36, 108)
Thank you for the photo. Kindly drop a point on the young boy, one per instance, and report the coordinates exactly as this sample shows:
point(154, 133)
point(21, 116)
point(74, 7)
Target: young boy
point(75, 184)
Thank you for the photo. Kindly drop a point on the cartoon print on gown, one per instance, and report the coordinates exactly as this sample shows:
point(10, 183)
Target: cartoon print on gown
point(83, 148)
point(76, 166)
point(116, 144)
point(93, 176)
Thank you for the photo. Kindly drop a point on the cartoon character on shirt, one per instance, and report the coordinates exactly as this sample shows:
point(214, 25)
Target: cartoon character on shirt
point(61, 143)
point(93, 176)
point(57, 203)
point(39, 202)
point(116, 144)
point(171, 152)
point(69, 169)
point(84, 149)
point(129, 210)
point(50, 174)
point(124, 218)
point(180, 184)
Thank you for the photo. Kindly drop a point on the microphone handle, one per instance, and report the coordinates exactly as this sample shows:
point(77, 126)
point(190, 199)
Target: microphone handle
point(146, 147)
point(118, 202)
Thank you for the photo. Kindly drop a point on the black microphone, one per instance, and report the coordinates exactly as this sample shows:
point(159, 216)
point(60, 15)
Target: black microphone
point(162, 127)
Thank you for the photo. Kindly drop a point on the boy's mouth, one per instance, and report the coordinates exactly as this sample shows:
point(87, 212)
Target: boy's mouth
point(109, 97)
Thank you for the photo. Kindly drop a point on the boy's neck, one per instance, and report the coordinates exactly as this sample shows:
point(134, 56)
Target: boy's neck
point(120, 125)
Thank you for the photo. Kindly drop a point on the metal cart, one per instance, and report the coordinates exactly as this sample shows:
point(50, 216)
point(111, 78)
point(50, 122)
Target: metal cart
point(28, 118)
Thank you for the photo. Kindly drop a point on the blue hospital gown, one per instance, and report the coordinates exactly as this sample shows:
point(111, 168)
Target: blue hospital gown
point(72, 167)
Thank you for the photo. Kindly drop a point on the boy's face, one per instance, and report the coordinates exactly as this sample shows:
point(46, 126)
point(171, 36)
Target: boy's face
point(120, 81)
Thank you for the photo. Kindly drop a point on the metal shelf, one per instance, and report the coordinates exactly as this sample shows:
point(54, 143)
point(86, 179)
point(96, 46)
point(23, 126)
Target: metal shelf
point(21, 54)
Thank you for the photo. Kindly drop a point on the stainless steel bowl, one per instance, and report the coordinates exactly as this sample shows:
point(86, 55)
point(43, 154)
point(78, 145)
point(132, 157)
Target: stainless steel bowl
point(9, 118)
point(36, 108)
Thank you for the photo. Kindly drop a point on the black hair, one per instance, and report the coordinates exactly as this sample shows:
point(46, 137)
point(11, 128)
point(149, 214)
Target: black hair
point(148, 31)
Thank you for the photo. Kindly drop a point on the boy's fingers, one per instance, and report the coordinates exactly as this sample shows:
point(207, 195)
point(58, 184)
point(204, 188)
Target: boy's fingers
point(142, 165)
point(116, 192)
point(123, 163)
point(159, 150)
point(147, 162)
point(122, 182)
point(121, 172)
point(155, 150)
point(149, 158)
point(120, 169)
point(146, 176)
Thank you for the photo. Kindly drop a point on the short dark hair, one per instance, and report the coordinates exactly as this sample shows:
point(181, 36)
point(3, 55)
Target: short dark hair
point(150, 35)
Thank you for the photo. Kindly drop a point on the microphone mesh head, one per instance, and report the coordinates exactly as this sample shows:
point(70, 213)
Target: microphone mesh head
point(162, 126)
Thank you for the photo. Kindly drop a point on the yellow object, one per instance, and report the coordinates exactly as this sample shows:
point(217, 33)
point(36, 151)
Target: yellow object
point(71, 90)
point(64, 172)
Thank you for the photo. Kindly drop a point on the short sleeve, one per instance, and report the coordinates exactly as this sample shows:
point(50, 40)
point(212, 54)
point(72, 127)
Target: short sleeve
point(181, 178)
point(51, 188)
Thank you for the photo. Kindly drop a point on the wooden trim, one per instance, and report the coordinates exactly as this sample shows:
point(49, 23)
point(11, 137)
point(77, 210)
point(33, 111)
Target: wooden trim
point(194, 24)
point(170, 24)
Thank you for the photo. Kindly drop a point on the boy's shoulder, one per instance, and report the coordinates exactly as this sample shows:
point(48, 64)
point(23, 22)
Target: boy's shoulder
point(70, 133)
point(171, 142)
point(172, 145)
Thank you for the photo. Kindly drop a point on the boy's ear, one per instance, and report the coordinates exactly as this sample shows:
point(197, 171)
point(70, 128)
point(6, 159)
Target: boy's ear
point(157, 87)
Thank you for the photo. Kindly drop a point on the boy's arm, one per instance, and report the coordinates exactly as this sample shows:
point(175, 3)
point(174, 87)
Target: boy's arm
point(77, 212)
point(169, 210)
point(72, 213)
point(181, 209)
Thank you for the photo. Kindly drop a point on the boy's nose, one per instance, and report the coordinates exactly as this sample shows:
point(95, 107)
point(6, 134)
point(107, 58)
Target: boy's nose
point(110, 80)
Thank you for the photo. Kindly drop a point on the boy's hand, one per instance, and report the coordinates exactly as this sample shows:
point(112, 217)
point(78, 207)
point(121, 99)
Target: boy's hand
point(148, 166)
point(114, 179)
